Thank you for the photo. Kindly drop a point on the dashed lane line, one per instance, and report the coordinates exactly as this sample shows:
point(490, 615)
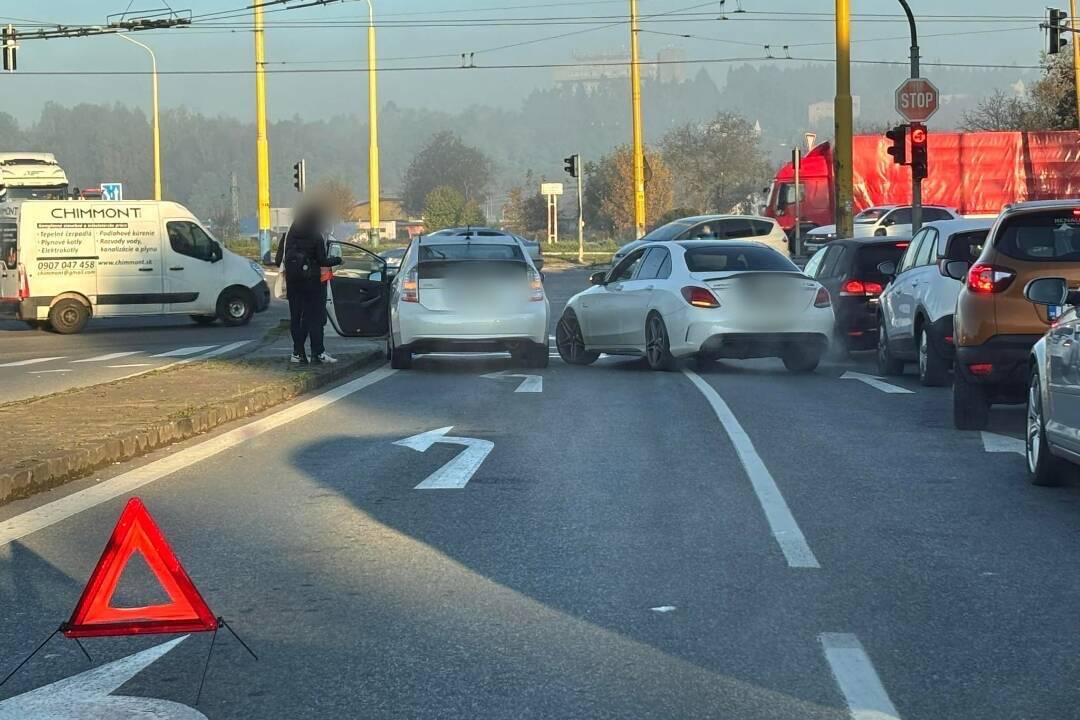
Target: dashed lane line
point(110, 356)
point(994, 443)
point(782, 523)
point(33, 361)
point(876, 383)
point(184, 352)
point(59, 510)
point(858, 680)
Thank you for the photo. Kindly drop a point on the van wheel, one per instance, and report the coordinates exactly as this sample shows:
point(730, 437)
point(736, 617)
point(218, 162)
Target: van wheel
point(235, 307)
point(68, 316)
point(971, 406)
point(204, 319)
point(933, 369)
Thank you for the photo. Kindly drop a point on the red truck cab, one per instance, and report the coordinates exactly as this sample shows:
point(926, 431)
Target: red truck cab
point(815, 190)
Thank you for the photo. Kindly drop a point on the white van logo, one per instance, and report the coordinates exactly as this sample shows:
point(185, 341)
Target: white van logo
point(112, 213)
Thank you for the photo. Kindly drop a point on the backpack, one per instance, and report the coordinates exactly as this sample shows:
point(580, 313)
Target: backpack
point(300, 267)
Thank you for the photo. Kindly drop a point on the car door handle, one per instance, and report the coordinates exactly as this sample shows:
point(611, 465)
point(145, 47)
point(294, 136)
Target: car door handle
point(149, 269)
point(176, 268)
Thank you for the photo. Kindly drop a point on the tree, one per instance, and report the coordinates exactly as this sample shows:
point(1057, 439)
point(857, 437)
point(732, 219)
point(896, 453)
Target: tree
point(611, 189)
point(446, 160)
point(717, 165)
point(446, 207)
point(1049, 105)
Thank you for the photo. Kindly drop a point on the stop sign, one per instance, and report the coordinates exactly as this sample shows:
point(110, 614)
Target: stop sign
point(917, 100)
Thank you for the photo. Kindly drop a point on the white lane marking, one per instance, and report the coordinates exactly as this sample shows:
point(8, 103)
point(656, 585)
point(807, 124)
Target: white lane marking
point(87, 695)
point(184, 352)
point(858, 680)
point(994, 443)
point(35, 361)
point(663, 609)
point(877, 383)
point(783, 525)
point(110, 356)
point(51, 513)
point(455, 474)
point(205, 356)
point(46, 372)
point(129, 365)
point(529, 383)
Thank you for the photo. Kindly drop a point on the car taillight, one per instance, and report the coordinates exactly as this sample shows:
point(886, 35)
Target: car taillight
point(700, 297)
point(822, 300)
point(24, 284)
point(858, 288)
point(985, 278)
point(902, 245)
point(410, 287)
point(536, 287)
point(981, 368)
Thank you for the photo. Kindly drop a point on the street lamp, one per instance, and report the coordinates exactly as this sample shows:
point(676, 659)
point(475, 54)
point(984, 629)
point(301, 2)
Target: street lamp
point(373, 130)
point(156, 125)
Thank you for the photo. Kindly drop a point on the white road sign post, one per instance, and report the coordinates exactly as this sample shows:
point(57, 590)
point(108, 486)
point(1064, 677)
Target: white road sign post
point(552, 191)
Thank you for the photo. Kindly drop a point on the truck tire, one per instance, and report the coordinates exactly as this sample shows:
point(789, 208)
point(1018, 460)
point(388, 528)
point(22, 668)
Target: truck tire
point(235, 307)
point(971, 406)
point(68, 316)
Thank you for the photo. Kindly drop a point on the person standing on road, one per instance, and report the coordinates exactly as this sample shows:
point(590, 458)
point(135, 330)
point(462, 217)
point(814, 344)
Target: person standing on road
point(303, 252)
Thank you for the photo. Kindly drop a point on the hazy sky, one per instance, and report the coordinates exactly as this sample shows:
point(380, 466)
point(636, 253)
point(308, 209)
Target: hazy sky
point(337, 40)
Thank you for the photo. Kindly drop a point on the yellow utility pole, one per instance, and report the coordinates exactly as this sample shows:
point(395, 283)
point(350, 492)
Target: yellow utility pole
point(155, 122)
point(639, 143)
point(373, 130)
point(262, 146)
point(1075, 40)
point(845, 191)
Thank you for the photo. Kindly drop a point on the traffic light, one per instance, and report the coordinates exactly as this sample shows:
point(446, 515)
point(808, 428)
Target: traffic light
point(920, 160)
point(1056, 26)
point(300, 175)
point(898, 149)
point(573, 165)
point(10, 49)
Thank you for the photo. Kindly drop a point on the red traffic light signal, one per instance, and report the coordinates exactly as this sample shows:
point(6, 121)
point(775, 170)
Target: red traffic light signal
point(920, 159)
point(898, 149)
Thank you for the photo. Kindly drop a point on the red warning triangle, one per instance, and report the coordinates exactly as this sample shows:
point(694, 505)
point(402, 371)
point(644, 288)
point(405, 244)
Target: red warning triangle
point(95, 616)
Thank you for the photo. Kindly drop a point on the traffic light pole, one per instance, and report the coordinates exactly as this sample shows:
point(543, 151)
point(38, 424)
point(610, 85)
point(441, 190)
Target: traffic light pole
point(580, 216)
point(916, 181)
point(845, 183)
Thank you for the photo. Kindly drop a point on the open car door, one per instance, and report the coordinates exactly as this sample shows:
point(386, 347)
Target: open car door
point(358, 299)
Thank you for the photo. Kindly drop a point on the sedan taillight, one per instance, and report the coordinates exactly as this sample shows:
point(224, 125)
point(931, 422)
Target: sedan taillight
point(860, 288)
point(536, 287)
point(986, 278)
point(700, 297)
point(822, 300)
point(410, 287)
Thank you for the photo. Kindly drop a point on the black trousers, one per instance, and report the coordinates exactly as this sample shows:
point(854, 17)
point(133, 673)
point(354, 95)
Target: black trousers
point(307, 315)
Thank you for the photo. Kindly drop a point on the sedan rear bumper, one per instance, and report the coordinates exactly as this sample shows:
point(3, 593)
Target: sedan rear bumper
point(743, 346)
point(702, 330)
point(415, 325)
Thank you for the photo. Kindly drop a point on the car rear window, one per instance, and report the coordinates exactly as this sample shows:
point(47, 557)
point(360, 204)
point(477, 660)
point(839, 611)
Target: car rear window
point(471, 261)
point(1044, 236)
point(9, 252)
point(737, 258)
point(470, 251)
point(868, 258)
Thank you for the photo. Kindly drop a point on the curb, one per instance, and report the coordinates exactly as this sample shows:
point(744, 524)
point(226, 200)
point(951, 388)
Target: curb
point(73, 464)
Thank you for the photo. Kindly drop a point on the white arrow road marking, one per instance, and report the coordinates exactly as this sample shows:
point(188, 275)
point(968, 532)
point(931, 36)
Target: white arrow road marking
point(530, 384)
point(858, 680)
point(876, 382)
point(86, 695)
point(994, 443)
point(782, 523)
point(456, 473)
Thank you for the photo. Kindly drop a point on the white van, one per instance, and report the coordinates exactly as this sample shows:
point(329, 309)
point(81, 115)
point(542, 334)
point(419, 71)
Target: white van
point(65, 261)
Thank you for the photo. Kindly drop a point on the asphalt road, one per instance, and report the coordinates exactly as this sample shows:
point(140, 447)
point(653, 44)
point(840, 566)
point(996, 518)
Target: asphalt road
point(731, 542)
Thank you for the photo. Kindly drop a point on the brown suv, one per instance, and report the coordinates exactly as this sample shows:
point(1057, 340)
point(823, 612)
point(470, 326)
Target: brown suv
point(995, 326)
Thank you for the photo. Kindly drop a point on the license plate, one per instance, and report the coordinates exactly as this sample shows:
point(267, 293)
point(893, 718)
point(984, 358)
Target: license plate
point(1053, 312)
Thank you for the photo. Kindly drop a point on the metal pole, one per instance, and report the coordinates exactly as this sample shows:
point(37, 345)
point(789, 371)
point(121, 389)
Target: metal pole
point(555, 217)
point(638, 133)
point(373, 133)
point(155, 122)
point(262, 146)
point(1076, 55)
point(845, 182)
point(916, 182)
point(580, 215)
point(798, 201)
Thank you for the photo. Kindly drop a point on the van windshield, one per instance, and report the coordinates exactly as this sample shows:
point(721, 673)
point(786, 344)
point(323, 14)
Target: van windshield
point(9, 249)
point(1044, 236)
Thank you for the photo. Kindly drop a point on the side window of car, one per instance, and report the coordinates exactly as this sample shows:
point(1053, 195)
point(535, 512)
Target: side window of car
point(833, 263)
point(665, 267)
point(188, 239)
point(813, 266)
point(912, 252)
point(932, 214)
point(928, 249)
point(901, 216)
point(651, 265)
point(626, 269)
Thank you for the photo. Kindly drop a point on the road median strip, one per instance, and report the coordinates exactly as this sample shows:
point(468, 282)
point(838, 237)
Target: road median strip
point(58, 438)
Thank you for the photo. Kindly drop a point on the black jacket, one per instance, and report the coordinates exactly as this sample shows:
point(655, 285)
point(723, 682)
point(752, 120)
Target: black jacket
point(304, 240)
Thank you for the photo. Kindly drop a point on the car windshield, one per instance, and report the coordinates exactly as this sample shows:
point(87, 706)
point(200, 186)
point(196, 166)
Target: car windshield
point(870, 216)
point(715, 258)
point(1043, 236)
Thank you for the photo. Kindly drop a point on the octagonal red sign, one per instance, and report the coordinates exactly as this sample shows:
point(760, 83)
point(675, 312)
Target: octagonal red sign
point(917, 100)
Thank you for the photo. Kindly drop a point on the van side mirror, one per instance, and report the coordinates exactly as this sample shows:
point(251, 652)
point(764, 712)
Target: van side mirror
point(1047, 291)
point(887, 268)
point(216, 253)
point(598, 278)
point(955, 269)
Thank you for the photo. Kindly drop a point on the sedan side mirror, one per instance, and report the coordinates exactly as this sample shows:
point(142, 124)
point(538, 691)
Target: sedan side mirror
point(598, 278)
point(1047, 291)
point(955, 269)
point(887, 268)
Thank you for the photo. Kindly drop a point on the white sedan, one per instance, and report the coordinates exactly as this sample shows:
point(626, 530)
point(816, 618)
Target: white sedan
point(705, 299)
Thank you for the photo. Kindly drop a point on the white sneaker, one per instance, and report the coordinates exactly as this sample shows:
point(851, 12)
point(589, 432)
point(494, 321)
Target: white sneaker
point(326, 358)
point(298, 360)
